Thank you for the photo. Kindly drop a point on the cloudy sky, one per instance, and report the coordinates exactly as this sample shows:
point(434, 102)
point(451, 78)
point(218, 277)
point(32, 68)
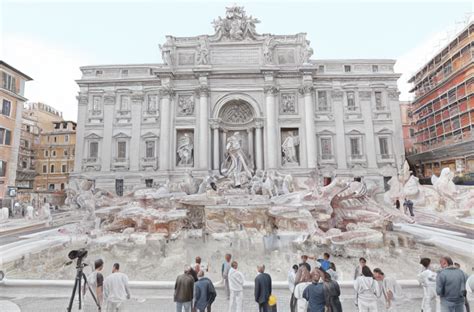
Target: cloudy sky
point(50, 40)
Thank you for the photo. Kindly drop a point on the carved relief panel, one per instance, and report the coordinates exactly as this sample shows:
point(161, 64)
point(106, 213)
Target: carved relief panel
point(288, 103)
point(185, 105)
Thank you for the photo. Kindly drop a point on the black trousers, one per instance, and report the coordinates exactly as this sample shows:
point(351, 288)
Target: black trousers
point(263, 307)
point(292, 303)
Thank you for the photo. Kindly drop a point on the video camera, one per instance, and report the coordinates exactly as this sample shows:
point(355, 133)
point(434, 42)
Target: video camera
point(78, 254)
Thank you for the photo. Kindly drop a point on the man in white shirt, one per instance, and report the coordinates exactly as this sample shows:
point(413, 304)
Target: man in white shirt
point(291, 286)
point(236, 286)
point(427, 279)
point(116, 289)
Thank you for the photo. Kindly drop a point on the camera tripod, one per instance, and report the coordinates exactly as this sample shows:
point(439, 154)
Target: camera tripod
point(77, 284)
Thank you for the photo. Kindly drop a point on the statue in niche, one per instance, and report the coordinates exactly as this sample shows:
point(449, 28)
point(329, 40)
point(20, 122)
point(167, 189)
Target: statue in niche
point(152, 107)
point(185, 150)
point(288, 105)
point(203, 52)
point(185, 105)
point(235, 163)
point(289, 149)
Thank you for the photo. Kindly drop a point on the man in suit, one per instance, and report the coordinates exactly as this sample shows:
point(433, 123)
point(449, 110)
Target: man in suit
point(204, 293)
point(263, 288)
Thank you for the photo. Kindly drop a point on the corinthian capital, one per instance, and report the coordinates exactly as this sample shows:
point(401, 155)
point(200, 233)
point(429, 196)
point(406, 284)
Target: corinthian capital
point(305, 89)
point(271, 89)
point(202, 90)
point(167, 92)
point(82, 99)
point(137, 97)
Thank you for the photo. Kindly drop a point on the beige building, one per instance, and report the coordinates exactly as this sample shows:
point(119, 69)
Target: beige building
point(12, 90)
point(36, 117)
point(54, 161)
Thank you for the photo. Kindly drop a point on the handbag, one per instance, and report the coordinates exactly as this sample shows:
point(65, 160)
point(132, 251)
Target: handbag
point(272, 300)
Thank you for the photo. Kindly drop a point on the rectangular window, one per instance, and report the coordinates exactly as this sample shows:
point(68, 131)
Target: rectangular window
point(124, 72)
point(452, 95)
point(98, 73)
point(383, 144)
point(64, 168)
point(46, 153)
point(321, 68)
point(326, 148)
point(124, 103)
point(447, 69)
point(119, 187)
point(323, 101)
point(375, 68)
point(3, 168)
point(347, 68)
point(53, 154)
point(66, 138)
point(2, 135)
point(149, 182)
point(45, 169)
point(9, 82)
point(93, 149)
point(65, 152)
point(355, 147)
point(378, 100)
point(122, 149)
point(52, 169)
point(51, 187)
point(6, 107)
point(351, 101)
point(8, 137)
point(150, 149)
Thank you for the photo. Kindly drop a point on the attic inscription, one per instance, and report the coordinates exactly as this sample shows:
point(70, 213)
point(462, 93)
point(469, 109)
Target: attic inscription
point(235, 56)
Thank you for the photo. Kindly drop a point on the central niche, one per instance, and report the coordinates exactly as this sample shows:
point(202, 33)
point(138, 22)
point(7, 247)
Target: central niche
point(236, 112)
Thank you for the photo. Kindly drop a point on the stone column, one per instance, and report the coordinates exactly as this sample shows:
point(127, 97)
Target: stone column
point(81, 122)
point(272, 146)
point(311, 156)
point(393, 104)
point(215, 144)
point(339, 147)
point(258, 144)
point(203, 138)
point(165, 128)
point(366, 111)
point(137, 100)
point(250, 142)
point(107, 143)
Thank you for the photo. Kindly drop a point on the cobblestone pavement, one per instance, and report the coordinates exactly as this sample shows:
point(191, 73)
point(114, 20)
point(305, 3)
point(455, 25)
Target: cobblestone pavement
point(163, 302)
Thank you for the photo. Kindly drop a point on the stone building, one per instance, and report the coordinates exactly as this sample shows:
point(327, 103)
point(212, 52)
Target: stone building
point(54, 161)
point(443, 110)
point(141, 124)
point(12, 90)
point(37, 118)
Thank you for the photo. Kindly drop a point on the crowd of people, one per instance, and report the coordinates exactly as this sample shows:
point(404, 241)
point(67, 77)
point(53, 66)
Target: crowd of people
point(313, 288)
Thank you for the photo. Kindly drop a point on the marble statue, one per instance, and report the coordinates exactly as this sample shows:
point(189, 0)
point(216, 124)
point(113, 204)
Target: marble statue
point(202, 52)
point(185, 150)
point(236, 25)
point(306, 52)
point(166, 50)
point(236, 165)
point(289, 149)
point(256, 183)
point(30, 213)
point(268, 47)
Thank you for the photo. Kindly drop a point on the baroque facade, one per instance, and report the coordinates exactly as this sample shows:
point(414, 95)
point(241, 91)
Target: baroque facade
point(142, 124)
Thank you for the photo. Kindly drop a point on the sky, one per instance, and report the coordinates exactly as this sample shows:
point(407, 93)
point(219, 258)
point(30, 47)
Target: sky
point(50, 40)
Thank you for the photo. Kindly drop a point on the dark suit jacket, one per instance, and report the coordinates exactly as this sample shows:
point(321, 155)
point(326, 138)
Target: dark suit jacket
point(263, 287)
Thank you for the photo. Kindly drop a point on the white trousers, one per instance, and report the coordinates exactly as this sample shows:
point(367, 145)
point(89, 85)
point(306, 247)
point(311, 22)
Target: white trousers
point(428, 304)
point(367, 306)
point(236, 301)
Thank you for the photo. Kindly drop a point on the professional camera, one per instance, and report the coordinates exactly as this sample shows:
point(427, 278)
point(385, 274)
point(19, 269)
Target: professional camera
point(79, 254)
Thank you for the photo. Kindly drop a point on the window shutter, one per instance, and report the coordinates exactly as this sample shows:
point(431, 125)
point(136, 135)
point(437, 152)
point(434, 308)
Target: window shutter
point(8, 135)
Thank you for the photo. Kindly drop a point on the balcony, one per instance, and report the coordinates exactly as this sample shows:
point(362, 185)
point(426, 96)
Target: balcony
point(91, 164)
point(326, 159)
point(123, 116)
point(355, 159)
point(385, 158)
point(119, 164)
point(149, 163)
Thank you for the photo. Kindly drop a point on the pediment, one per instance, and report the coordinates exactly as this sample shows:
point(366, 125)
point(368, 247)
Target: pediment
point(92, 136)
point(325, 132)
point(121, 135)
point(149, 135)
point(384, 131)
point(354, 132)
